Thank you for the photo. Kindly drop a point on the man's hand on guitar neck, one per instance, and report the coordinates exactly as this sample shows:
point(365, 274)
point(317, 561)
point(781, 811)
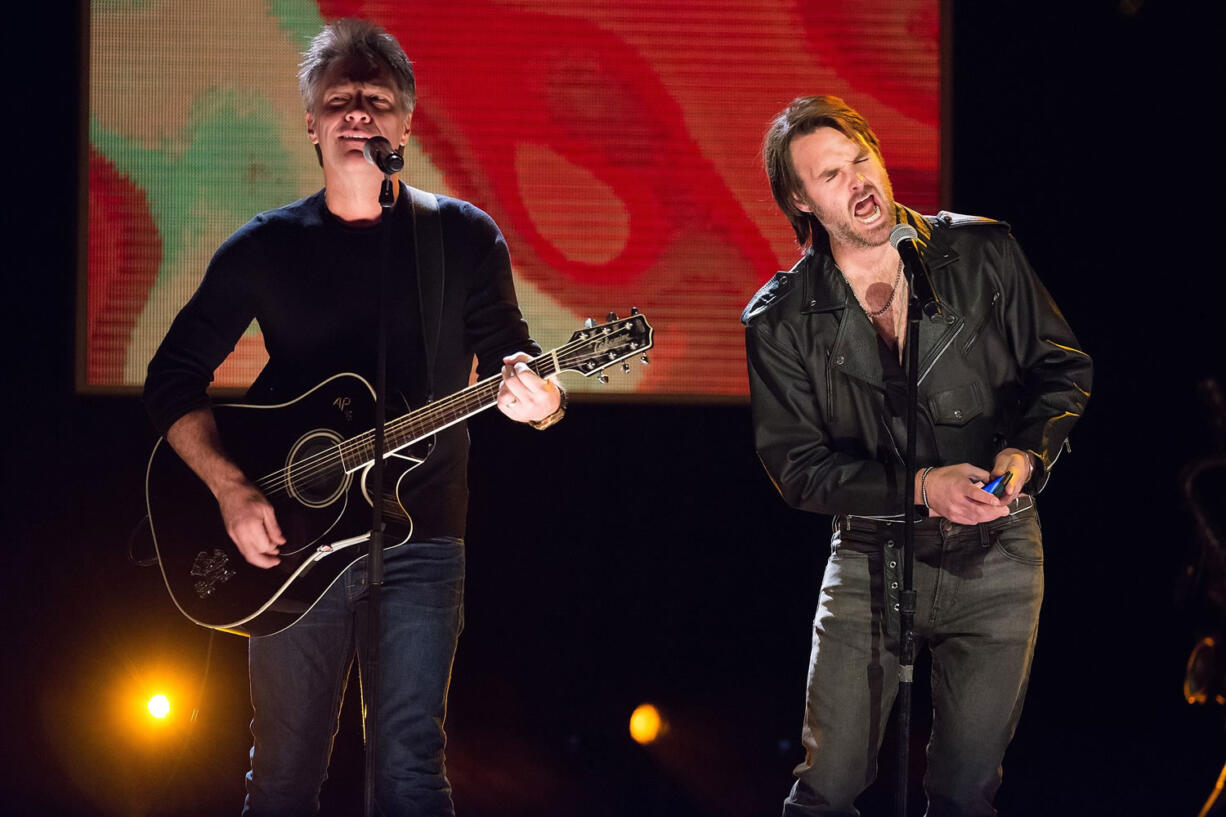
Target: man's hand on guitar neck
point(523, 395)
point(248, 516)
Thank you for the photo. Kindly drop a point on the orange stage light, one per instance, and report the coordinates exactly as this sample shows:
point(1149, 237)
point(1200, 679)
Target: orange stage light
point(646, 725)
point(159, 706)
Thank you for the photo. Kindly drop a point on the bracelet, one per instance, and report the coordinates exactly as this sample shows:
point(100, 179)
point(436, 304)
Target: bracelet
point(924, 486)
point(541, 425)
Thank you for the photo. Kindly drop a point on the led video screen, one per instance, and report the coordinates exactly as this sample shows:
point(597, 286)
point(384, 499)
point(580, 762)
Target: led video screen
point(617, 145)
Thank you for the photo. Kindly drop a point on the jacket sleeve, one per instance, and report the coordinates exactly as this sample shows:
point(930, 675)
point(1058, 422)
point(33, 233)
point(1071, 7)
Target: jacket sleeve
point(794, 444)
point(1057, 374)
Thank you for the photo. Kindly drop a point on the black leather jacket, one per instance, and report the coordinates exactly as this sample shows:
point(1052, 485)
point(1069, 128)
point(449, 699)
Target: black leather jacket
point(999, 368)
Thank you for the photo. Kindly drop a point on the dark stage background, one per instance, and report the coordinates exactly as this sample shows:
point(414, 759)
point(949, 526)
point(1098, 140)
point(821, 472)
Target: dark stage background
point(637, 552)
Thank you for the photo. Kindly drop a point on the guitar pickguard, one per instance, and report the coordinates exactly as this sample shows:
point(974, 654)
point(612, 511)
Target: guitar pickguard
point(209, 569)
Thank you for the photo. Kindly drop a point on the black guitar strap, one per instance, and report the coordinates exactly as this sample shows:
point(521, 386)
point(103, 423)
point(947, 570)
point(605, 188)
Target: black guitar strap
point(431, 272)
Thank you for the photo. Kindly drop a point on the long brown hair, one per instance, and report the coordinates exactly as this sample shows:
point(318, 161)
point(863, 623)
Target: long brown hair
point(803, 116)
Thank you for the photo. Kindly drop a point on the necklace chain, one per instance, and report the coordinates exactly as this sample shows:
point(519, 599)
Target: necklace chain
point(893, 292)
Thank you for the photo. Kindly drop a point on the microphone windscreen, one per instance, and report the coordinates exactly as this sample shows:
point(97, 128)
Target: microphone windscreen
point(901, 233)
point(374, 147)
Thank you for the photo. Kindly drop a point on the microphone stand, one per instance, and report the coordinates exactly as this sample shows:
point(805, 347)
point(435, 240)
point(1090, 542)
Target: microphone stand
point(374, 558)
point(906, 604)
point(920, 301)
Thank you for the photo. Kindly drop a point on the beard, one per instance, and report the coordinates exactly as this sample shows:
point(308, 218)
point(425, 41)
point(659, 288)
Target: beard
point(844, 228)
point(849, 233)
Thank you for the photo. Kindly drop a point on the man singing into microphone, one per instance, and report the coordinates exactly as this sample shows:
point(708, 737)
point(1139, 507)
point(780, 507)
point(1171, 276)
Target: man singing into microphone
point(309, 274)
point(1002, 381)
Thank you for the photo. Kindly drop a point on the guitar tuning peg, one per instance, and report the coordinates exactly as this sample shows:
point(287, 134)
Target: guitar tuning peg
point(626, 367)
point(602, 378)
point(589, 324)
point(612, 317)
point(634, 310)
point(645, 360)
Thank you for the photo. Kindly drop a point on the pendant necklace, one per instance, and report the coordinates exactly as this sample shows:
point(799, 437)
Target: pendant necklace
point(893, 292)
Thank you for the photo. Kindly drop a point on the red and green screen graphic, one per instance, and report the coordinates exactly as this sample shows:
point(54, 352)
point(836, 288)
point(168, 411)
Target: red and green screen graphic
point(616, 144)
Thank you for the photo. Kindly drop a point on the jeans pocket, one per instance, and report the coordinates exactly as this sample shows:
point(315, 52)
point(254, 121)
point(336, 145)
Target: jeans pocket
point(1020, 541)
point(427, 574)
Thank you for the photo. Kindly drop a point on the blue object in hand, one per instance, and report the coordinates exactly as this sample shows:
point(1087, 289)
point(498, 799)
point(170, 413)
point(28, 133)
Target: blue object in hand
point(997, 486)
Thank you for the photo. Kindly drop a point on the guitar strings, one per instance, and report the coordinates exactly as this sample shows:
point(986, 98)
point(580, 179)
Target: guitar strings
point(326, 464)
point(313, 469)
point(323, 465)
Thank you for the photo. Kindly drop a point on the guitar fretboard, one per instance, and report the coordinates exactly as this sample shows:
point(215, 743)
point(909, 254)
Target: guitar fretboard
point(407, 429)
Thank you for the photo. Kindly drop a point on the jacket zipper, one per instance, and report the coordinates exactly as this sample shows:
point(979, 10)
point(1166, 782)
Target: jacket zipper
point(970, 341)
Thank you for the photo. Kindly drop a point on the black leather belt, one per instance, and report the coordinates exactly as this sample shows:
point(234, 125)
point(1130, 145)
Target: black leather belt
point(851, 522)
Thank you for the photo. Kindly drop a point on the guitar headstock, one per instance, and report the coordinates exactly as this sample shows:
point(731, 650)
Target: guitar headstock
point(596, 346)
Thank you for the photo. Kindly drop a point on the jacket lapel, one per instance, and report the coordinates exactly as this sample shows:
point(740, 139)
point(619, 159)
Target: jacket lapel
point(854, 352)
point(936, 334)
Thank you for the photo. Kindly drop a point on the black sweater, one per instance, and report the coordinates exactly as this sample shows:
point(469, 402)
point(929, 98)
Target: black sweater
point(308, 279)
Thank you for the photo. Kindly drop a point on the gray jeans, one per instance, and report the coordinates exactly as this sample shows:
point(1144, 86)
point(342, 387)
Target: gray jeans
point(979, 589)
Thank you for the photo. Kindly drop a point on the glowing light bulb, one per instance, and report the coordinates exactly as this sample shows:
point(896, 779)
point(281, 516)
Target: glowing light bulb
point(645, 724)
point(159, 706)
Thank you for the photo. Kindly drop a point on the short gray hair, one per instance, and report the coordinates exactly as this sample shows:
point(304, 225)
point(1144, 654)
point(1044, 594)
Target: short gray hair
point(351, 37)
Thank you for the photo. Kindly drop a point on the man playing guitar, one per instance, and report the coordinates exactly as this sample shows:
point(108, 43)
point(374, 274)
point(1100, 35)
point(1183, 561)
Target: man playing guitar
point(306, 272)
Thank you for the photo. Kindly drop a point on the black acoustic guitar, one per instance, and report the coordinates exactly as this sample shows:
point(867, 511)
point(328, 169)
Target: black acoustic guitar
point(311, 457)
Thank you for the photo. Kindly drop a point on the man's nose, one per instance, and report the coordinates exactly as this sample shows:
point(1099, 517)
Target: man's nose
point(357, 112)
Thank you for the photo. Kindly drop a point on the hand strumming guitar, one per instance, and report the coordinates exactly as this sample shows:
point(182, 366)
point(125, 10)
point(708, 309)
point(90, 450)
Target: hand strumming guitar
point(248, 516)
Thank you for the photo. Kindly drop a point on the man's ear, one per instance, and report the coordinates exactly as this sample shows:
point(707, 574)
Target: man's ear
point(404, 137)
point(802, 205)
point(310, 125)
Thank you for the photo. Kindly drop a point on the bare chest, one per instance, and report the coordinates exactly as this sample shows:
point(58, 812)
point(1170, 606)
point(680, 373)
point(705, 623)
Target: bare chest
point(884, 305)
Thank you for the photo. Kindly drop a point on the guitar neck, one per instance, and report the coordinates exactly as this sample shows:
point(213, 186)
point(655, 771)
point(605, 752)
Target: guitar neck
point(407, 429)
point(588, 352)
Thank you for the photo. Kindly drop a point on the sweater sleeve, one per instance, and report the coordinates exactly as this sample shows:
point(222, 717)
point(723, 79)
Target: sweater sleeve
point(203, 334)
point(493, 324)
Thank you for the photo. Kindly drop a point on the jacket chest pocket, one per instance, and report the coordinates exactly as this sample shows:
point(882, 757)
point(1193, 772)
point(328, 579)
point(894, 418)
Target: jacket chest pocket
point(957, 406)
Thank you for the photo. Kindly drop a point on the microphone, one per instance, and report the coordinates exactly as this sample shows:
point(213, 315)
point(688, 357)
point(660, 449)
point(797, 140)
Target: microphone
point(903, 238)
point(380, 153)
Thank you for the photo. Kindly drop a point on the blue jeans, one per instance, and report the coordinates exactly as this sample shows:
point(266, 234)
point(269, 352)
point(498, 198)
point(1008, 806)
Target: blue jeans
point(298, 681)
point(979, 589)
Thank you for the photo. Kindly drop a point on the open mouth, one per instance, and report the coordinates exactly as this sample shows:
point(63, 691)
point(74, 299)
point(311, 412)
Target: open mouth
point(867, 210)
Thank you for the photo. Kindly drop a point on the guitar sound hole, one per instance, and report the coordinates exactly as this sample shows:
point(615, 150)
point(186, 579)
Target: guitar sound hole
point(315, 473)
